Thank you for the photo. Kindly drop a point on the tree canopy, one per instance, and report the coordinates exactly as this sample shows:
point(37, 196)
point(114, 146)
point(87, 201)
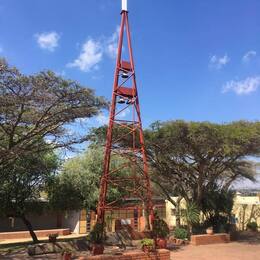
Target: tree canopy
point(35, 112)
point(78, 184)
point(22, 192)
point(188, 158)
point(37, 107)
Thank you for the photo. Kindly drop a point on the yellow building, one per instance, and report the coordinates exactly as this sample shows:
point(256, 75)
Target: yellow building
point(171, 211)
point(246, 209)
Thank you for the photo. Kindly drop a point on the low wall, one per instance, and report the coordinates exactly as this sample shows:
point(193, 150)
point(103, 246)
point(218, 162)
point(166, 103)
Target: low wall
point(39, 233)
point(161, 254)
point(47, 220)
point(210, 239)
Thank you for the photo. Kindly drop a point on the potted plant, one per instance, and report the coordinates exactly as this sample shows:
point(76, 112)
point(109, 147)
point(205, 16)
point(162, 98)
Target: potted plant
point(97, 237)
point(147, 244)
point(53, 237)
point(180, 234)
point(210, 231)
point(160, 232)
point(66, 254)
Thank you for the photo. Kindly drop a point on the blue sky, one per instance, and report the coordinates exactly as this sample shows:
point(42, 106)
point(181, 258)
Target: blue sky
point(195, 60)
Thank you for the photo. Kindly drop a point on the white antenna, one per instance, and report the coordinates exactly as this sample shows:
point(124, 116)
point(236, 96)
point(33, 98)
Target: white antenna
point(124, 5)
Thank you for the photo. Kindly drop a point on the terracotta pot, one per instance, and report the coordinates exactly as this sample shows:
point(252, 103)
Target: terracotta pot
point(179, 242)
point(161, 243)
point(97, 249)
point(209, 231)
point(67, 256)
point(147, 249)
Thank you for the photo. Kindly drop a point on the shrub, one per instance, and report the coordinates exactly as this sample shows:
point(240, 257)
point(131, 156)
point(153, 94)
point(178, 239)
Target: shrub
point(252, 226)
point(219, 223)
point(97, 234)
point(198, 229)
point(180, 233)
point(191, 214)
point(53, 237)
point(160, 228)
point(147, 242)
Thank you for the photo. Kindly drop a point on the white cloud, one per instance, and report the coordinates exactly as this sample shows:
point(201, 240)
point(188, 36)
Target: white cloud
point(248, 56)
point(92, 52)
point(124, 113)
point(48, 41)
point(102, 119)
point(90, 56)
point(216, 62)
point(111, 44)
point(243, 87)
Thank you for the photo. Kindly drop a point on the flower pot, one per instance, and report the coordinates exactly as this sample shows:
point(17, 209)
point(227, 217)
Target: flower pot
point(67, 256)
point(147, 249)
point(161, 243)
point(97, 249)
point(179, 242)
point(209, 231)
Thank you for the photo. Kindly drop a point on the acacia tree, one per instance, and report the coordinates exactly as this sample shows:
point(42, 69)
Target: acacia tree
point(188, 158)
point(78, 184)
point(39, 107)
point(21, 192)
point(35, 112)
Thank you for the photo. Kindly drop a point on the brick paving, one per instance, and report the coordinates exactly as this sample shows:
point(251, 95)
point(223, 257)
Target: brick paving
point(248, 248)
point(230, 251)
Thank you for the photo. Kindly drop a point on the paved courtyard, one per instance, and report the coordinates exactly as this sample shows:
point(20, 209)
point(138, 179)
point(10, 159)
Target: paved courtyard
point(247, 248)
point(230, 251)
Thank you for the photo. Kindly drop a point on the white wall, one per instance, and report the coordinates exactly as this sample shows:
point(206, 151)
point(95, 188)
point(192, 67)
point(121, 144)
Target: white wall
point(71, 220)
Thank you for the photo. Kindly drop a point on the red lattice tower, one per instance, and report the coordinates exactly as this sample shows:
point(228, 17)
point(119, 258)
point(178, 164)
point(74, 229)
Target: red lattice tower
point(125, 100)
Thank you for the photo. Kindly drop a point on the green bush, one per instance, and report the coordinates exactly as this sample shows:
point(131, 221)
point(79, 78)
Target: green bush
point(198, 229)
point(147, 242)
point(160, 228)
point(219, 223)
point(97, 234)
point(180, 233)
point(252, 226)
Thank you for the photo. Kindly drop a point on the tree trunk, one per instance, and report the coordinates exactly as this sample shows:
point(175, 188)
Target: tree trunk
point(243, 216)
point(30, 228)
point(178, 213)
point(200, 185)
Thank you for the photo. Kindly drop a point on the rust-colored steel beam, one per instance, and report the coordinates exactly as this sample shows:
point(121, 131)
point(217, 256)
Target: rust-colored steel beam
point(125, 98)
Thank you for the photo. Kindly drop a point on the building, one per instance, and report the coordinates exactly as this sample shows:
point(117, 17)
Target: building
point(246, 209)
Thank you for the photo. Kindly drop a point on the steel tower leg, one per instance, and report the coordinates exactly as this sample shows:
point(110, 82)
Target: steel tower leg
point(135, 153)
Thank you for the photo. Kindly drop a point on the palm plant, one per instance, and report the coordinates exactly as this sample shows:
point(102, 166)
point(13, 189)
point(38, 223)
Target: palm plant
point(191, 215)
